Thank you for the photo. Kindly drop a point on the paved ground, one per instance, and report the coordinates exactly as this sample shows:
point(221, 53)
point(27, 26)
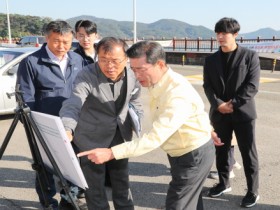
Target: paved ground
point(150, 172)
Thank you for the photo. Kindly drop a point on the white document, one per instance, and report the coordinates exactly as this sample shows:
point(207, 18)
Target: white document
point(135, 120)
point(53, 133)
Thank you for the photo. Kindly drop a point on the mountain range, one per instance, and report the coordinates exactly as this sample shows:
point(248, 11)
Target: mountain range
point(162, 29)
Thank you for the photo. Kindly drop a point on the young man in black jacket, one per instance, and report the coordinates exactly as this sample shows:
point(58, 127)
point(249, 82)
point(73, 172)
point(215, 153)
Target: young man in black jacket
point(86, 34)
point(231, 81)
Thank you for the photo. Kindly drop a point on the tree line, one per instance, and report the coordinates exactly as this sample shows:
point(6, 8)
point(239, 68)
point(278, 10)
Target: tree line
point(22, 25)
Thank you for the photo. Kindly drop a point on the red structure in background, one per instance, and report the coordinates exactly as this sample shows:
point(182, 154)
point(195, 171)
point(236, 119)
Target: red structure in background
point(208, 45)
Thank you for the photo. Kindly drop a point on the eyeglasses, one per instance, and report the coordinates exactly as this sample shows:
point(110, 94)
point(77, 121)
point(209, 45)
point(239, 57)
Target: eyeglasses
point(83, 37)
point(115, 62)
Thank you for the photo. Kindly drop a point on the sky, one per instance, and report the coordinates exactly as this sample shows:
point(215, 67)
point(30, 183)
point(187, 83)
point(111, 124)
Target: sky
point(251, 15)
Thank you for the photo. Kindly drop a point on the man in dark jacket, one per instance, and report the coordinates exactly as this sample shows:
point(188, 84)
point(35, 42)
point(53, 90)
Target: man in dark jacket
point(46, 79)
point(96, 115)
point(231, 81)
point(86, 34)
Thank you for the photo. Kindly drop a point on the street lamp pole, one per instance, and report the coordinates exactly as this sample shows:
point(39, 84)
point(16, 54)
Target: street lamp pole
point(134, 21)
point(8, 20)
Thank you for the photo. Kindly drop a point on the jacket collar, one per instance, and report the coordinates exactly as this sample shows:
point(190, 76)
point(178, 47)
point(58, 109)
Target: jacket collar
point(160, 87)
point(45, 57)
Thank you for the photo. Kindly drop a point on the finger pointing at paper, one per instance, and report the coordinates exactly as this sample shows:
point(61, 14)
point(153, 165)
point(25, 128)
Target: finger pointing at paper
point(98, 156)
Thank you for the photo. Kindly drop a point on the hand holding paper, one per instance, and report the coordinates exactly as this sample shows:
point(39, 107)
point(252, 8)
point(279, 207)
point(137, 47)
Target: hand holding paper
point(57, 141)
point(69, 135)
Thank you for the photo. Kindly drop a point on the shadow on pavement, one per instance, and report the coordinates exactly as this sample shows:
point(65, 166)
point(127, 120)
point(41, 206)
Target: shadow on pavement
point(148, 169)
point(230, 202)
point(8, 204)
point(16, 178)
point(16, 158)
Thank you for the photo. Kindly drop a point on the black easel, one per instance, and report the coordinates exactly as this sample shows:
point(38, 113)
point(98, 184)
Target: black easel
point(22, 113)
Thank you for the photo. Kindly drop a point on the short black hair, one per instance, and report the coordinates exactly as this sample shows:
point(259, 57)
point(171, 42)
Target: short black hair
point(89, 26)
point(108, 43)
point(227, 25)
point(153, 51)
point(58, 26)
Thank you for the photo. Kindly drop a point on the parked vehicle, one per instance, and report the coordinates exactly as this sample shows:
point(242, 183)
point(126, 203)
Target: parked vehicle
point(9, 62)
point(75, 44)
point(31, 41)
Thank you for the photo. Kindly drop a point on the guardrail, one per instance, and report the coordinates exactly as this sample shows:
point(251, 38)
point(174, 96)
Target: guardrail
point(207, 45)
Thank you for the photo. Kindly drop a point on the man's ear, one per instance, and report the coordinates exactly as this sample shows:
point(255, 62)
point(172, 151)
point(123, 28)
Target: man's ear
point(161, 63)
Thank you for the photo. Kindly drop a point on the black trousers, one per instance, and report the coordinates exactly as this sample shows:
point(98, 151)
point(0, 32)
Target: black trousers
point(245, 135)
point(95, 174)
point(96, 197)
point(188, 173)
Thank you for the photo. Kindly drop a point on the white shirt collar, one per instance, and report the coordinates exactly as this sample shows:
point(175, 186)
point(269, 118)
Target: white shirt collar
point(62, 63)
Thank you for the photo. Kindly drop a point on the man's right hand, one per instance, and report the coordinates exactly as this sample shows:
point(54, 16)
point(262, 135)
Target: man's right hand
point(226, 107)
point(99, 155)
point(216, 139)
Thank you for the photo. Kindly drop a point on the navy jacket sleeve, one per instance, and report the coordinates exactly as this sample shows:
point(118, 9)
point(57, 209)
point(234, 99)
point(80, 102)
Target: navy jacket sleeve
point(25, 82)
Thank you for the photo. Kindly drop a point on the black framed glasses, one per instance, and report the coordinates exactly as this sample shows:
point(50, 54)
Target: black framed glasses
point(115, 62)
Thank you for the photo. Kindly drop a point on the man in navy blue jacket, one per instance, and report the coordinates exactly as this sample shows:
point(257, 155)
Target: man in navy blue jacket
point(46, 80)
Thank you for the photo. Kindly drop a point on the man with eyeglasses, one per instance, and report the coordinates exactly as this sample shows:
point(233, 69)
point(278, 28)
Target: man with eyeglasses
point(181, 127)
point(86, 34)
point(96, 115)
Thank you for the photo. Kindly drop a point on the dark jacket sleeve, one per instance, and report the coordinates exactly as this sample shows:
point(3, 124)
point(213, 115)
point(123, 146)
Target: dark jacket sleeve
point(25, 82)
point(249, 87)
point(212, 97)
